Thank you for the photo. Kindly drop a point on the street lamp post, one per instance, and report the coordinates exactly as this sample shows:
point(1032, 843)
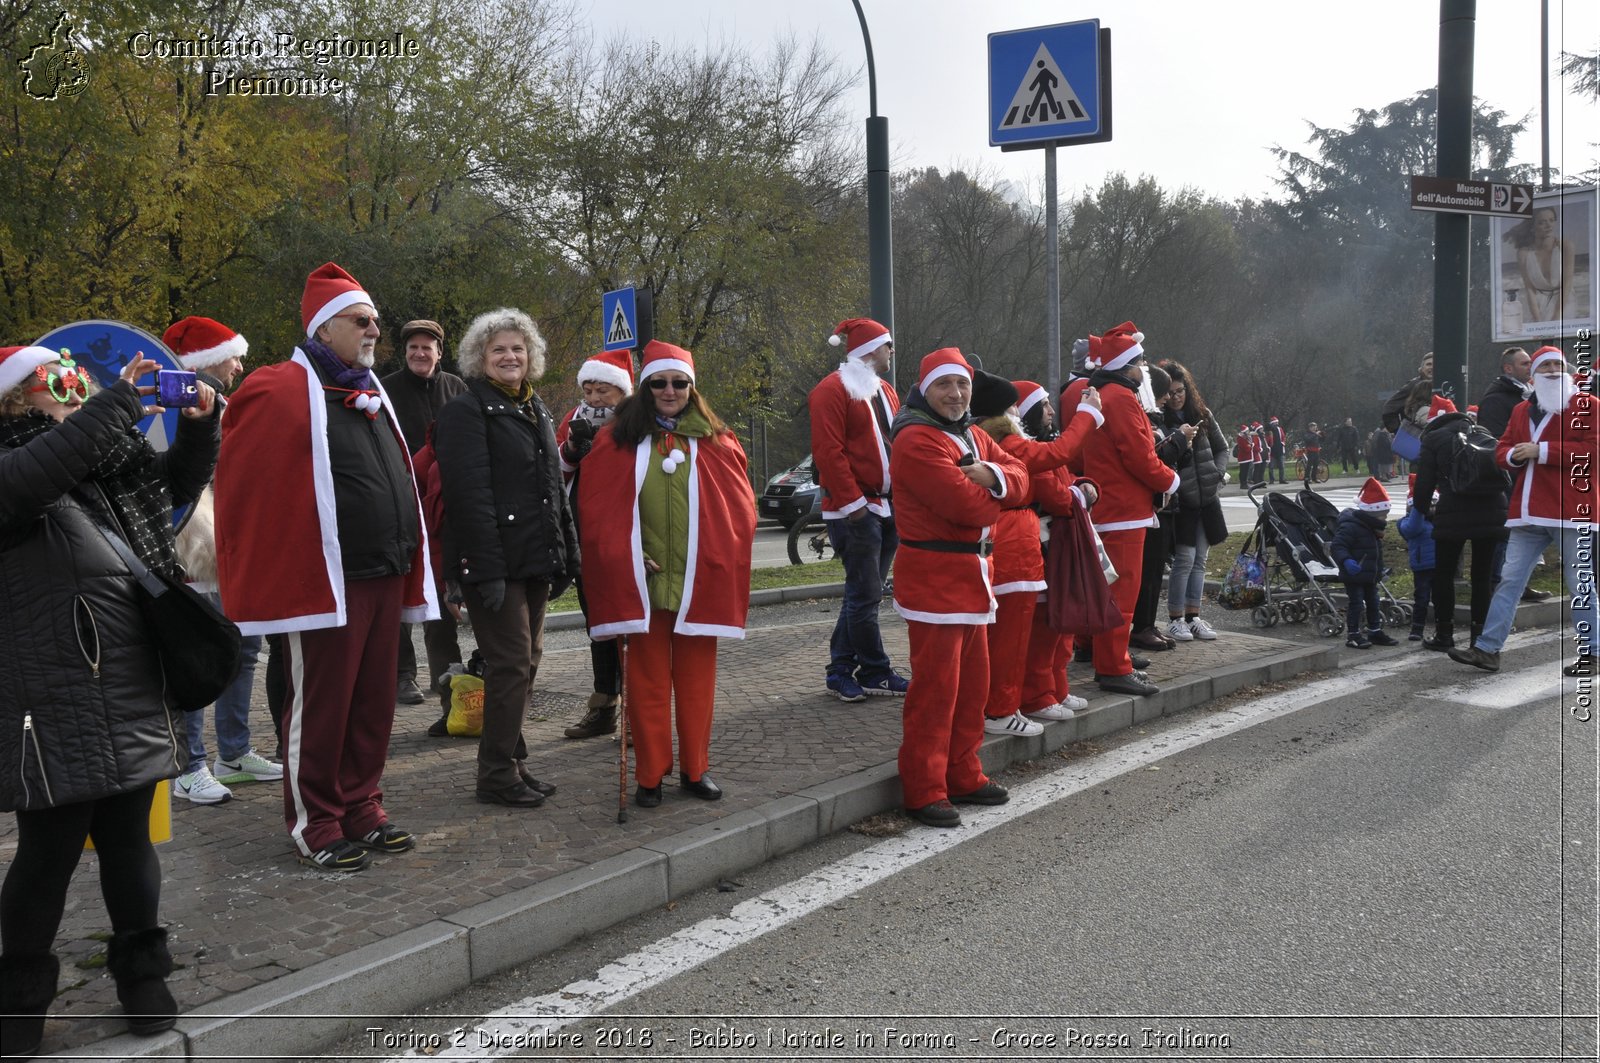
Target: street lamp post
point(880, 247)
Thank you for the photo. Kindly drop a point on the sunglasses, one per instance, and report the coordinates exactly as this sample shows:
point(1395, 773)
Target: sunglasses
point(658, 383)
point(362, 320)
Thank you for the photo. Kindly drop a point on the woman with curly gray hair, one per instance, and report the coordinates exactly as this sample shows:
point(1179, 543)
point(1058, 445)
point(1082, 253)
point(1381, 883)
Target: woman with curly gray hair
point(508, 535)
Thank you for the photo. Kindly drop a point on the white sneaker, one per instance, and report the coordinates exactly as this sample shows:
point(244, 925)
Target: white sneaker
point(252, 767)
point(1178, 631)
point(200, 787)
point(1202, 630)
point(1075, 704)
point(1015, 724)
point(1051, 712)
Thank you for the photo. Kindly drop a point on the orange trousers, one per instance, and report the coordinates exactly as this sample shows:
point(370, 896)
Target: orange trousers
point(1044, 682)
point(668, 672)
point(1126, 550)
point(1008, 652)
point(942, 718)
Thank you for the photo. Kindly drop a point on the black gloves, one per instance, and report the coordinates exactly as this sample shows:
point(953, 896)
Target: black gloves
point(580, 437)
point(493, 593)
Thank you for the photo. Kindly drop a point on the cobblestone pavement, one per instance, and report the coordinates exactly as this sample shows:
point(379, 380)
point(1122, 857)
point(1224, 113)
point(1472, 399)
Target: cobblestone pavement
point(242, 911)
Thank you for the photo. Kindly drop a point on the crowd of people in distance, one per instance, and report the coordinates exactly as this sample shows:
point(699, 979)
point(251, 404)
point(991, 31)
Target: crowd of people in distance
point(331, 510)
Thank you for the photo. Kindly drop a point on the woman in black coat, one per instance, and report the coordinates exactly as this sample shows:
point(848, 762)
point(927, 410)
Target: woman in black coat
point(88, 731)
point(1478, 518)
point(508, 534)
point(1172, 438)
point(1200, 524)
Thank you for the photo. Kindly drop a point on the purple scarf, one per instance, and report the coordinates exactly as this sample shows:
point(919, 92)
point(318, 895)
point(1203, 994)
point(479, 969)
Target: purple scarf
point(355, 377)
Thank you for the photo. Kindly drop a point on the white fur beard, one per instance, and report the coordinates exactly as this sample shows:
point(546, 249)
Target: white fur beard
point(1147, 394)
point(1554, 392)
point(860, 380)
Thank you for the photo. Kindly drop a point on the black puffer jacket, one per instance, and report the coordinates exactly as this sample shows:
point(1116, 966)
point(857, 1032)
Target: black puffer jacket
point(1475, 516)
point(82, 709)
point(1200, 473)
point(505, 513)
point(1359, 537)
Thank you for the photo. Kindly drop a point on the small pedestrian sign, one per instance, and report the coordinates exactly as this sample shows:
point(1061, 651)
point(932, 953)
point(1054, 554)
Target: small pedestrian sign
point(1050, 85)
point(619, 320)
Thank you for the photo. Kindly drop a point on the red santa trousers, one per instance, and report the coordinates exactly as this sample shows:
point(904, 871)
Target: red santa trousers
point(665, 670)
point(1044, 681)
point(942, 717)
point(1125, 548)
point(337, 714)
point(1008, 648)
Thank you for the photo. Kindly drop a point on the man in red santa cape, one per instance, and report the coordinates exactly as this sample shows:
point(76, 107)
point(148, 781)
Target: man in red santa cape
point(851, 411)
point(320, 538)
point(1121, 458)
point(950, 485)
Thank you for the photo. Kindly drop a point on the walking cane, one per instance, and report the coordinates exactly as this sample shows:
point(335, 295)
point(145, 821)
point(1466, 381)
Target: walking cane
point(622, 730)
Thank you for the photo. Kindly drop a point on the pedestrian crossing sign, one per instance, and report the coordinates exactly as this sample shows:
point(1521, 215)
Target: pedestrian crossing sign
point(1050, 85)
point(619, 320)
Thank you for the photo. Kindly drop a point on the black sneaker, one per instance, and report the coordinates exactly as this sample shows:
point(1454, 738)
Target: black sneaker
point(990, 793)
point(1381, 638)
point(1358, 642)
point(386, 839)
point(1440, 642)
point(1127, 684)
point(1489, 662)
point(341, 856)
point(409, 693)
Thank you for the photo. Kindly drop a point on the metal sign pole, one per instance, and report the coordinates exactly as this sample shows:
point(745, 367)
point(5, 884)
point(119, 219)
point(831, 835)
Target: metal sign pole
point(1052, 279)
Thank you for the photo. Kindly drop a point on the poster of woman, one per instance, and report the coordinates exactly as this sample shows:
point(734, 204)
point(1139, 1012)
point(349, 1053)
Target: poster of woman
point(1544, 265)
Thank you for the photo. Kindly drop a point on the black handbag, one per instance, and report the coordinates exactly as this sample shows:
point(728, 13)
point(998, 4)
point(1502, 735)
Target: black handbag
point(199, 647)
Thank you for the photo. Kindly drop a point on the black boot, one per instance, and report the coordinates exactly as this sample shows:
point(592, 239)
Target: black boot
point(601, 719)
point(27, 986)
point(140, 963)
point(1444, 639)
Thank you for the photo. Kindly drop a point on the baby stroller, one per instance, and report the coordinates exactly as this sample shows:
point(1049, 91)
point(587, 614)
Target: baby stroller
point(1395, 612)
point(1299, 566)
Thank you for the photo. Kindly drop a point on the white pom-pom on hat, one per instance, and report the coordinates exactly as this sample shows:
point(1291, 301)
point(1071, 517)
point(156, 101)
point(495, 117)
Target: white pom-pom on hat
point(835, 341)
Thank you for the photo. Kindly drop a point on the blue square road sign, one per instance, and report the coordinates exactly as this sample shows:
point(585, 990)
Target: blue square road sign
point(619, 320)
point(1049, 85)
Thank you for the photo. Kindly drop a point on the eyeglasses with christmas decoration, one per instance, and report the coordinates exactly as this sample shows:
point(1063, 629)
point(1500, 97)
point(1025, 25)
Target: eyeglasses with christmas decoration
point(64, 385)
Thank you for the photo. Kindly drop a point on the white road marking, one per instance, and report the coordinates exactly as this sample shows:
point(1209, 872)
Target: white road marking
point(539, 1017)
point(1530, 686)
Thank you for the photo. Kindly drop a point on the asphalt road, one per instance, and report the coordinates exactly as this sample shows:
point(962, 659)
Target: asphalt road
point(1397, 859)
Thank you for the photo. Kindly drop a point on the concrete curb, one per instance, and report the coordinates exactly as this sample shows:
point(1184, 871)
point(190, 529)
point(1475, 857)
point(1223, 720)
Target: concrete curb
point(340, 996)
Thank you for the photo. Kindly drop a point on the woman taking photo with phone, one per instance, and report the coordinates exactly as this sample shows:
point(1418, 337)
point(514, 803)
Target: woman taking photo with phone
point(89, 730)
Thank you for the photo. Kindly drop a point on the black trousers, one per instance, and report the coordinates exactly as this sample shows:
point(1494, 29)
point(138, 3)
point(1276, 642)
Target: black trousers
point(49, 846)
point(1446, 557)
point(1157, 548)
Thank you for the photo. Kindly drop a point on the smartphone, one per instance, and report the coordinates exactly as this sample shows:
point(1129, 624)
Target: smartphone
point(967, 459)
point(177, 387)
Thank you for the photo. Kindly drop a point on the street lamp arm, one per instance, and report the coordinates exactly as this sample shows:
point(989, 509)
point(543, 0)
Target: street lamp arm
point(872, 71)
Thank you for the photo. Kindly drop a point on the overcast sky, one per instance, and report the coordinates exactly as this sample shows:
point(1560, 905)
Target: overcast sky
point(1201, 91)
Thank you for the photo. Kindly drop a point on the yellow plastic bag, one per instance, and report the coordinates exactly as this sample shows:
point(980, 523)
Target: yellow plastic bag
point(466, 706)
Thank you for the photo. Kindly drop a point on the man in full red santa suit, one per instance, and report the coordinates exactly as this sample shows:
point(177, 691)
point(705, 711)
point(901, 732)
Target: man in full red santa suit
point(1121, 457)
point(1549, 448)
point(951, 483)
point(320, 538)
point(851, 411)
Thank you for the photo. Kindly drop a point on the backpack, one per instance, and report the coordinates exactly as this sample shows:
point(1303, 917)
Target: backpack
point(1472, 469)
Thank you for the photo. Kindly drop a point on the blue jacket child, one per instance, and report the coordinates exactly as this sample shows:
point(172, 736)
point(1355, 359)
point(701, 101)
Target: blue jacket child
point(1358, 551)
point(1418, 532)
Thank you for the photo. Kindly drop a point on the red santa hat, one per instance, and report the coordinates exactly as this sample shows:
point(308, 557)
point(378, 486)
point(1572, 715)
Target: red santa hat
point(1255, 424)
point(1545, 354)
point(1272, 420)
point(1440, 406)
point(860, 336)
point(1029, 395)
point(609, 367)
point(1373, 498)
point(329, 290)
point(1121, 346)
point(18, 363)
point(661, 357)
point(946, 361)
point(200, 342)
